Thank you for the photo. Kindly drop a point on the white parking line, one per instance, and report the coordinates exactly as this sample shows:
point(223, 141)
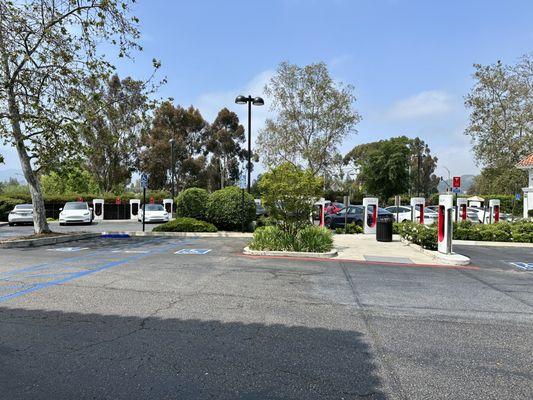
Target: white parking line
point(68, 249)
point(131, 251)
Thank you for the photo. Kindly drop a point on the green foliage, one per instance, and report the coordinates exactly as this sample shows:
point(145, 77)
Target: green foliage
point(425, 236)
point(506, 181)
point(352, 228)
point(313, 116)
point(521, 231)
point(14, 189)
point(423, 164)
point(289, 194)
point(69, 181)
point(225, 210)
point(313, 239)
point(309, 239)
point(384, 166)
point(271, 238)
point(186, 225)
point(192, 203)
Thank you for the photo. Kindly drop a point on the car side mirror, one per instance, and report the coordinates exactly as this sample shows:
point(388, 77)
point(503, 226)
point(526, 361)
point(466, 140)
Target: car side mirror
point(61, 209)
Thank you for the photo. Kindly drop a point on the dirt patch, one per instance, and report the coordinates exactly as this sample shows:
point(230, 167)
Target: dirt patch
point(35, 236)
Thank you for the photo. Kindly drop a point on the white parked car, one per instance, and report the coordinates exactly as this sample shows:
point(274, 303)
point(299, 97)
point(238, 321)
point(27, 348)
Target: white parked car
point(404, 214)
point(154, 213)
point(21, 214)
point(480, 212)
point(471, 215)
point(75, 212)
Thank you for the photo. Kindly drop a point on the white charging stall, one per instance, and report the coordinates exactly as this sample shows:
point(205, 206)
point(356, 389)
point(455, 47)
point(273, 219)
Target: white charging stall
point(494, 207)
point(370, 215)
point(169, 206)
point(461, 208)
point(420, 202)
point(445, 223)
point(98, 209)
point(135, 205)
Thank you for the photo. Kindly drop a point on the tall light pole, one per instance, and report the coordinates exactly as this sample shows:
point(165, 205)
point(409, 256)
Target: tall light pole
point(256, 101)
point(173, 172)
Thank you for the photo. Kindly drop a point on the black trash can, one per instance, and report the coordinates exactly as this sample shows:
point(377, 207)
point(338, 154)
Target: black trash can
point(384, 229)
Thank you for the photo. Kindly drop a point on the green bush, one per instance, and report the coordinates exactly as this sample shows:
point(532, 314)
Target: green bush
point(192, 203)
point(425, 236)
point(185, 225)
point(351, 229)
point(314, 239)
point(224, 208)
point(271, 238)
point(521, 231)
point(309, 239)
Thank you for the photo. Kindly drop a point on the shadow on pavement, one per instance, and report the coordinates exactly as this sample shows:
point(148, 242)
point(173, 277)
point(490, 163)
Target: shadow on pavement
point(56, 355)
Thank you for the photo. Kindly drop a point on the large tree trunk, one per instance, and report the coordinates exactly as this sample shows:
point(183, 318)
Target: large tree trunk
point(39, 212)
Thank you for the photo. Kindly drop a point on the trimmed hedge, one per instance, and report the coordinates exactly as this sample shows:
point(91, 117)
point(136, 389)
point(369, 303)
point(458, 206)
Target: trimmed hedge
point(520, 232)
point(6, 205)
point(423, 235)
point(309, 239)
point(352, 228)
point(186, 225)
point(224, 208)
point(192, 203)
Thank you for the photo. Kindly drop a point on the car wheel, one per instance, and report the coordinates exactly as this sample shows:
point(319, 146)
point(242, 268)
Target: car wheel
point(11, 224)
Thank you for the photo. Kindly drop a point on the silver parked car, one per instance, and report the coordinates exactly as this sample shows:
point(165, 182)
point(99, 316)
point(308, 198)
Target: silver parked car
point(21, 214)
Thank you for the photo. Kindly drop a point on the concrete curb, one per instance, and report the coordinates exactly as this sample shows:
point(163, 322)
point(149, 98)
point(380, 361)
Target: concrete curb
point(329, 254)
point(4, 223)
point(448, 259)
point(183, 234)
point(491, 244)
point(46, 240)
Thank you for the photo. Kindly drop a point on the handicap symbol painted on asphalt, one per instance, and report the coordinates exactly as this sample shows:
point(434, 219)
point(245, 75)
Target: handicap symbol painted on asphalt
point(193, 251)
point(67, 249)
point(523, 265)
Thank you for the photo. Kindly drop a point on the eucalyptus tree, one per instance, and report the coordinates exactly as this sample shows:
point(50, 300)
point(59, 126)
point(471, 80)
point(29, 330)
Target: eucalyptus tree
point(47, 49)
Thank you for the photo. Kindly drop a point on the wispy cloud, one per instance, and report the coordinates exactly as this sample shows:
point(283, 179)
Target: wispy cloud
point(424, 104)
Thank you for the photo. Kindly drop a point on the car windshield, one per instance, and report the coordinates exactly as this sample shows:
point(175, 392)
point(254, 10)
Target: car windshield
point(24, 207)
point(75, 206)
point(154, 207)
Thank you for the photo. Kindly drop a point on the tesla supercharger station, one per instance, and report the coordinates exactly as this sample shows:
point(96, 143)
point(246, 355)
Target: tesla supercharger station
point(494, 207)
point(420, 202)
point(321, 211)
point(135, 205)
point(371, 208)
point(169, 206)
point(445, 223)
point(461, 209)
point(98, 209)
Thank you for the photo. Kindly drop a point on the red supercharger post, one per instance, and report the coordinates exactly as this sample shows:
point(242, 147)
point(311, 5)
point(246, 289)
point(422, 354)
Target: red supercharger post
point(461, 208)
point(445, 224)
point(494, 206)
point(417, 202)
point(370, 214)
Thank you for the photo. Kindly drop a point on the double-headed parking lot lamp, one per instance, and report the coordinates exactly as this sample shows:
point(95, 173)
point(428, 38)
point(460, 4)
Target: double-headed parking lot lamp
point(256, 101)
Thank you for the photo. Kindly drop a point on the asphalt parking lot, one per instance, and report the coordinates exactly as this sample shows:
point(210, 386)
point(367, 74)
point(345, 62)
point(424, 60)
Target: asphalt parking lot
point(192, 318)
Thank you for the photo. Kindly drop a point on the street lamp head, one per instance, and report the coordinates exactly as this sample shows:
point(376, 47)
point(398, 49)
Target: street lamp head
point(258, 101)
point(171, 141)
point(241, 99)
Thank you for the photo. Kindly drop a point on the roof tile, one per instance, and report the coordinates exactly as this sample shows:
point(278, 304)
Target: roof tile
point(527, 161)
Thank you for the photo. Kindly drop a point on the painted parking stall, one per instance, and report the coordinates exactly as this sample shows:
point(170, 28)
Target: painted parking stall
point(100, 255)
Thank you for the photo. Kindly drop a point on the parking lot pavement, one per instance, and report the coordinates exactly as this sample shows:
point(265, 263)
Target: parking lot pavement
point(191, 318)
point(506, 258)
point(96, 226)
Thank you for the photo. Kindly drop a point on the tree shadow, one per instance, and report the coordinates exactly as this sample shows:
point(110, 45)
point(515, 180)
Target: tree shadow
point(56, 355)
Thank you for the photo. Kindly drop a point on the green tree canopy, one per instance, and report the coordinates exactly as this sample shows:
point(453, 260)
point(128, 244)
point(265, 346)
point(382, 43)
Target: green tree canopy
point(314, 115)
point(383, 166)
point(72, 180)
point(423, 180)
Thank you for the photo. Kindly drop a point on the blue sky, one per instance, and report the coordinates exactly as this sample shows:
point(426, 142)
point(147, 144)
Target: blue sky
point(409, 60)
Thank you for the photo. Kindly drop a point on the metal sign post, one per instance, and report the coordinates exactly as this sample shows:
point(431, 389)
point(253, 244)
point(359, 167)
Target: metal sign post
point(346, 205)
point(242, 184)
point(144, 184)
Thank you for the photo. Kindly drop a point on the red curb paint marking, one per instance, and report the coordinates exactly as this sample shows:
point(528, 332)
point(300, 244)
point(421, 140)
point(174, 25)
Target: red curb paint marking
point(384, 263)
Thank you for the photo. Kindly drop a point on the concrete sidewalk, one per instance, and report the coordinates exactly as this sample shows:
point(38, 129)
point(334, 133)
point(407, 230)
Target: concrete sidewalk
point(367, 248)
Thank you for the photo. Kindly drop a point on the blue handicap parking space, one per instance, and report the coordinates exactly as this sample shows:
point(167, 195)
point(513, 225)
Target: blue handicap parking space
point(525, 266)
point(193, 251)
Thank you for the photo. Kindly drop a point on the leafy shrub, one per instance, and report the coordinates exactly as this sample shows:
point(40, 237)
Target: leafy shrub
point(351, 229)
point(521, 231)
point(186, 225)
point(425, 236)
point(224, 208)
point(192, 203)
point(271, 238)
point(314, 239)
point(309, 239)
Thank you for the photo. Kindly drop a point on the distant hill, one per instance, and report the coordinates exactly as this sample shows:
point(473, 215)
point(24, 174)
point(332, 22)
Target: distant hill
point(6, 174)
point(466, 183)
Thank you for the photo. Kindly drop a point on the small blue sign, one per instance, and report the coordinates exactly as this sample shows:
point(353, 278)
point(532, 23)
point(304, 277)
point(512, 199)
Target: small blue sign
point(517, 196)
point(144, 181)
point(523, 265)
point(193, 251)
point(456, 190)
